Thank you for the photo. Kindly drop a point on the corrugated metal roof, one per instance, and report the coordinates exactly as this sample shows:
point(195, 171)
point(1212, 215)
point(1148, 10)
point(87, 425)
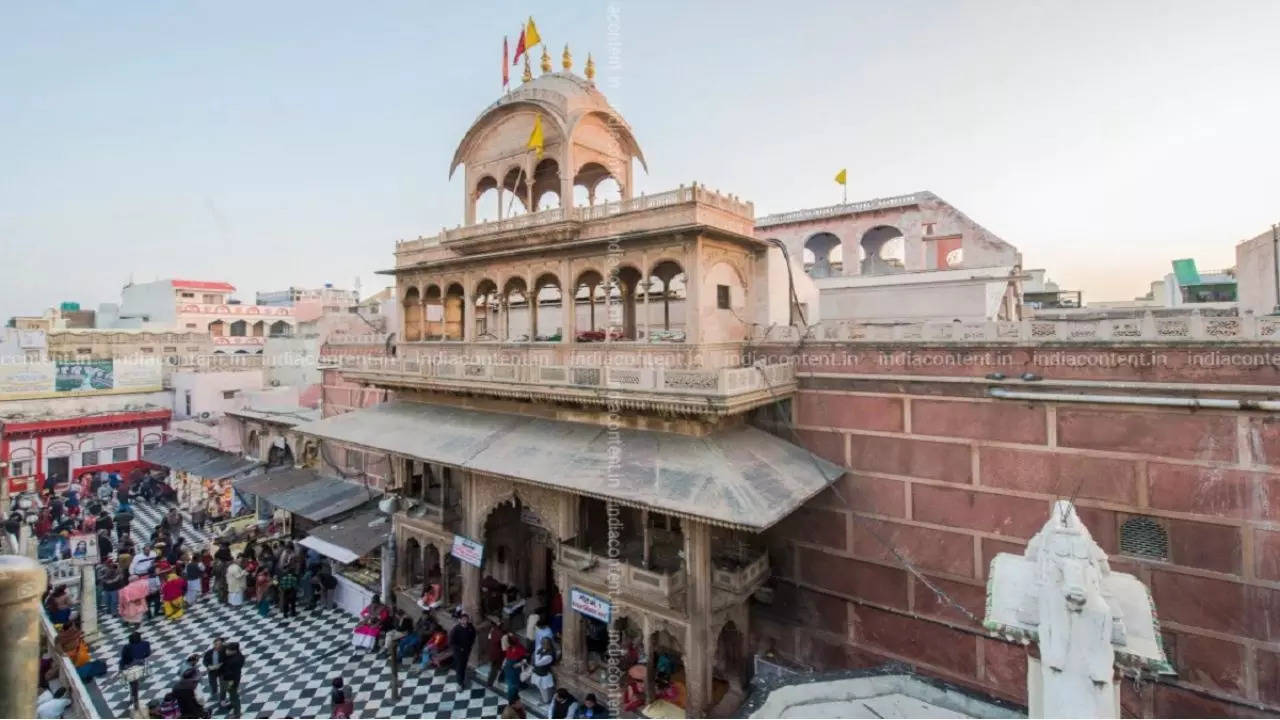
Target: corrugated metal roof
point(359, 533)
point(322, 497)
point(267, 483)
point(742, 476)
point(205, 462)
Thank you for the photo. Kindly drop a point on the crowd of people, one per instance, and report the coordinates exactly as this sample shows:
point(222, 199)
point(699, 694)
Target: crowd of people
point(157, 580)
point(161, 578)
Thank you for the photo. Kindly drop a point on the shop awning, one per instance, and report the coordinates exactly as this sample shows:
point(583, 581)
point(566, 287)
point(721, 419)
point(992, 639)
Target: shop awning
point(305, 492)
point(350, 539)
point(199, 460)
point(740, 477)
point(268, 483)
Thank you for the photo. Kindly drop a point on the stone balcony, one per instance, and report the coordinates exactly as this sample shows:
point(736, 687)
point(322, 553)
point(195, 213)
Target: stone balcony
point(652, 586)
point(690, 206)
point(691, 380)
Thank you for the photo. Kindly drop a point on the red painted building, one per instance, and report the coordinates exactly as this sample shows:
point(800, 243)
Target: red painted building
point(34, 448)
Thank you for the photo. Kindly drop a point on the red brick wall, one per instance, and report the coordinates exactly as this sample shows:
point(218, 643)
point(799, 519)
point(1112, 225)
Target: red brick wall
point(950, 477)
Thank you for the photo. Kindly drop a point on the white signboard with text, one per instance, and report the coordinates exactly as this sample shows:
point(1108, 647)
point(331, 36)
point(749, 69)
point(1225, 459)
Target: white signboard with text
point(467, 550)
point(590, 605)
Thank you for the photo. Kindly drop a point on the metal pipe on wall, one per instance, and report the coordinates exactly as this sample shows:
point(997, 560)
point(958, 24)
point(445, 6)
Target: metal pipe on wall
point(1207, 403)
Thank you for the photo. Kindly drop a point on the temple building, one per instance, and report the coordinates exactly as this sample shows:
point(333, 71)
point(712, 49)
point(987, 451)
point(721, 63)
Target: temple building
point(574, 415)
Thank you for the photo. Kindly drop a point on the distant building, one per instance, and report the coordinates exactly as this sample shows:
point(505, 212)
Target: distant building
point(902, 258)
point(199, 306)
point(1257, 273)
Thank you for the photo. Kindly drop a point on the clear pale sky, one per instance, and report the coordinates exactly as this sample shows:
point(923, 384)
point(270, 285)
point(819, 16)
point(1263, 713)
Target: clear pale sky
point(291, 143)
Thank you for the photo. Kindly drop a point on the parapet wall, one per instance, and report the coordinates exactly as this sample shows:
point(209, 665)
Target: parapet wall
point(949, 476)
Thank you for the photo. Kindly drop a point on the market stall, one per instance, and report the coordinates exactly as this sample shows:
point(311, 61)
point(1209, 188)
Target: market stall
point(355, 545)
point(202, 477)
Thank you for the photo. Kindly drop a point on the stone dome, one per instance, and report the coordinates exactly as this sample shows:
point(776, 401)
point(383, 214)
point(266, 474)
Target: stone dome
point(564, 100)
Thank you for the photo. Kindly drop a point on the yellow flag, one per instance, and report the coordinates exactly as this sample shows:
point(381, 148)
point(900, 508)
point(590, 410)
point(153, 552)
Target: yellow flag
point(531, 36)
point(842, 176)
point(535, 137)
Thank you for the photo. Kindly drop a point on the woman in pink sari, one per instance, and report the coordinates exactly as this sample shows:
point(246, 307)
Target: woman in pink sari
point(133, 600)
point(365, 634)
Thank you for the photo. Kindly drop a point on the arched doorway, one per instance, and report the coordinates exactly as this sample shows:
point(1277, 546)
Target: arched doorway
point(586, 294)
point(486, 200)
point(515, 310)
point(412, 574)
point(627, 284)
point(433, 307)
point(518, 561)
point(254, 445)
point(884, 251)
point(454, 298)
point(666, 307)
point(412, 315)
point(728, 669)
point(547, 305)
point(486, 310)
point(823, 255)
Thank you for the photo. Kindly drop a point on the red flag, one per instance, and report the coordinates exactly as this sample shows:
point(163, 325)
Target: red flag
point(505, 68)
point(519, 47)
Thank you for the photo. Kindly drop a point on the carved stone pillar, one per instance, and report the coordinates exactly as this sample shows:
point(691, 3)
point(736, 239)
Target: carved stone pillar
point(474, 527)
point(571, 631)
point(697, 660)
point(568, 302)
point(22, 582)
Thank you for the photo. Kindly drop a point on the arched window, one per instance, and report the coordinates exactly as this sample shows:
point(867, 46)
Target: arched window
point(885, 251)
point(823, 255)
point(412, 315)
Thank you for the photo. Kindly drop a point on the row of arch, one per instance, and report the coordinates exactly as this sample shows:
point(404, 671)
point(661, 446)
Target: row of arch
point(242, 328)
point(513, 194)
point(881, 251)
point(643, 303)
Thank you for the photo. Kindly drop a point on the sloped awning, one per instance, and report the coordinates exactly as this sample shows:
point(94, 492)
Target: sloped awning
point(305, 492)
point(351, 539)
point(740, 477)
point(199, 460)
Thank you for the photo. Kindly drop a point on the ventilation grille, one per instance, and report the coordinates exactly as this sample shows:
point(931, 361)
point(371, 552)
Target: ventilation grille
point(1143, 537)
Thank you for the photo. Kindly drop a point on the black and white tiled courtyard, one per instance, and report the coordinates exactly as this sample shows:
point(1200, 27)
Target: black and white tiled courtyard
point(289, 664)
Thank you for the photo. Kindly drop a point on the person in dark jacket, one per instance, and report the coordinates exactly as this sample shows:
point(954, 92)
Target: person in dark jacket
point(562, 704)
point(232, 664)
point(133, 661)
point(185, 692)
point(212, 660)
point(462, 638)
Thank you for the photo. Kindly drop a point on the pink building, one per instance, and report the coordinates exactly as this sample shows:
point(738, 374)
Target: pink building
point(201, 306)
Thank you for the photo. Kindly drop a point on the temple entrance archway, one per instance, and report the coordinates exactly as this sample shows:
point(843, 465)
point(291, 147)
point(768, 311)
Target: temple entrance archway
point(517, 567)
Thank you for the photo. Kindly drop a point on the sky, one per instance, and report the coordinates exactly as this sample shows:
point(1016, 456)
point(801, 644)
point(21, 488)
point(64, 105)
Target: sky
point(291, 143)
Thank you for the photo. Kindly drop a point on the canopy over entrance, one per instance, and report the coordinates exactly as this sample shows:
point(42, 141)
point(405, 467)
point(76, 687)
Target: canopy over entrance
point(739, 477)
point(199, 460)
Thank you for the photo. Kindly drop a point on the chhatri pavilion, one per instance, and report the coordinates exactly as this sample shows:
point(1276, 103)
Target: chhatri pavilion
point(574, 410)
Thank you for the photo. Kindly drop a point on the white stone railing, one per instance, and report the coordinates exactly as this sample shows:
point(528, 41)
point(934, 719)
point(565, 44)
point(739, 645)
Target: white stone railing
point(1148, 328)
point(723, 382)
point(843, 209)
point(81, 703)
point(681, 195)
point(744, 579)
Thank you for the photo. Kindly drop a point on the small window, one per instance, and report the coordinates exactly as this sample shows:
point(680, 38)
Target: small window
point(228, 394)
point(171, 348)
point(19, 468)
point(148, 447)
point(722, 297)
point(120, 454)
point(211, 299)
point(84, 351)
point(188, 295)
point(191, 326)
point(147, 350)
point(1143, 537)
point(89, 458)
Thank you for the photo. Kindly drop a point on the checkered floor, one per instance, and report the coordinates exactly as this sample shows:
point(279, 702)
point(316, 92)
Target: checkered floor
point(147, 516)
point(289, 664)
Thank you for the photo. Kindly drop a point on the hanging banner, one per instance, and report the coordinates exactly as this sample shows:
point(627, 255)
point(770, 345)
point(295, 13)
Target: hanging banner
point(590, 605)
point(87, 376)
point(467, 550)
